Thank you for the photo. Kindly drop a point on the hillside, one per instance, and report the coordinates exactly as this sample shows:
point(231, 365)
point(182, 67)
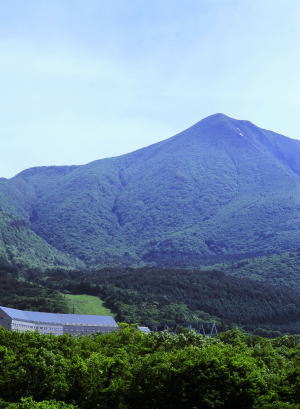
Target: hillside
point(20, 246)
point(222, 189)
point(155, 296)
point(17, 292)
point(86, 304)
point(278, 269)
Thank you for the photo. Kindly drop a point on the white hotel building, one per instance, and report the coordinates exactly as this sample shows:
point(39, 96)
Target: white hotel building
point(58, 324)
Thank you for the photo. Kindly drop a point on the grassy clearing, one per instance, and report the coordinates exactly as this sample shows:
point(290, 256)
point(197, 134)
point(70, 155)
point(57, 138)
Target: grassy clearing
point(86, 304)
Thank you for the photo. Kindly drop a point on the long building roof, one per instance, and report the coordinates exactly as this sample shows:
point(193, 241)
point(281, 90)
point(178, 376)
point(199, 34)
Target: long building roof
point(62, 319)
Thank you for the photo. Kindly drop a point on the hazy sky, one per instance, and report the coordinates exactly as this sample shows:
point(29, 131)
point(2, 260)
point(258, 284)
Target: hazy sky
point(83, 79)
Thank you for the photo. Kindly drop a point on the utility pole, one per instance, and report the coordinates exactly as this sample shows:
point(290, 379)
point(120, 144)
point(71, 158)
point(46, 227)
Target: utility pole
point(213, 330)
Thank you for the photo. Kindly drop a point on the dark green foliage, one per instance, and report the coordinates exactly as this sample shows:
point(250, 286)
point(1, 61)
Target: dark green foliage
point(20, 246)
point(221, 190)
point(158, 296)
point(15, 292)
point(128, 370)
point(28, 403)
point(279, 269)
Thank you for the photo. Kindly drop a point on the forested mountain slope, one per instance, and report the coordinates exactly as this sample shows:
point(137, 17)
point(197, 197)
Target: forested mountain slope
point(17, 292)
point(276, 269)
point(222, 189)
point(20, 246)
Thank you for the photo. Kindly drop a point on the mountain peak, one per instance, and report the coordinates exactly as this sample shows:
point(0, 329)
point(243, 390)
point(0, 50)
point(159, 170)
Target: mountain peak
point(218, 116)
point(215, 120)
point(218, 124)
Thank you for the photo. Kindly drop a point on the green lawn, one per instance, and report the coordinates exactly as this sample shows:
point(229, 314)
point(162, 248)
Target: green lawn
point(86, 304)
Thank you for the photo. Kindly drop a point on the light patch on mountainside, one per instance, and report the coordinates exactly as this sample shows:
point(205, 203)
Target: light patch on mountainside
point(86, 304)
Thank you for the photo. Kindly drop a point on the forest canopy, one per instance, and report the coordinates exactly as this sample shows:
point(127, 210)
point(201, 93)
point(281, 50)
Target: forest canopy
point(128, 369)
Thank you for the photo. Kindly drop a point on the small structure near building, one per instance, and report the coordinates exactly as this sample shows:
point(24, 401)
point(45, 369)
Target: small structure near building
point(146, 330)
point(58, 324)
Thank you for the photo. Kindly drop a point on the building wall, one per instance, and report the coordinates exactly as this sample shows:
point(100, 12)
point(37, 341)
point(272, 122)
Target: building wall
point(86, 329)
point(22, 326)
point(46, 328)
point(42, 328)
point(51, 328)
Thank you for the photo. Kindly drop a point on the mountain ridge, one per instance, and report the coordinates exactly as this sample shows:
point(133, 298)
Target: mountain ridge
point(221, 188)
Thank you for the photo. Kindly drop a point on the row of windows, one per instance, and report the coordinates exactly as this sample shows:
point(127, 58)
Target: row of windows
point(33, 327)
point(22, 325)
point(49, 328)
point(69, 325)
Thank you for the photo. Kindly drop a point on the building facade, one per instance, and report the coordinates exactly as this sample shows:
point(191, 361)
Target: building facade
point(58, 324)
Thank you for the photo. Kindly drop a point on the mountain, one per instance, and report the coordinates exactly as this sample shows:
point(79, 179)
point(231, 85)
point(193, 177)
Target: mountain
point(276, 269)
point(20, 246)
point(220, 190)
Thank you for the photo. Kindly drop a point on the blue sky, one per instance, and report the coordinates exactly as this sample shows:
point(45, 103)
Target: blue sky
point(82, 79)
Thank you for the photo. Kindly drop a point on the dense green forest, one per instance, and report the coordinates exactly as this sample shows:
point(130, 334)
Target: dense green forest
point(280, 269)
point(16, 292)
point(128, 369)
point(20, 246)
point(153, 296)
point(160, 297)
